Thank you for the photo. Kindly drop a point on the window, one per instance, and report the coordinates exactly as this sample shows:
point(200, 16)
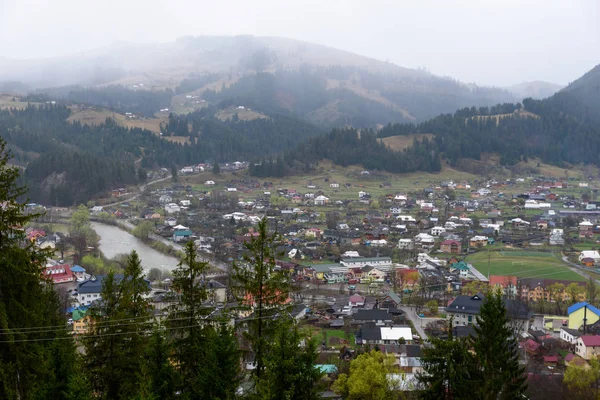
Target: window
point(470, 318)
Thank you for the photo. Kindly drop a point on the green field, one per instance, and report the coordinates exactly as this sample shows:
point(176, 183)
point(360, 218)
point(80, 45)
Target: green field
point(523, 264)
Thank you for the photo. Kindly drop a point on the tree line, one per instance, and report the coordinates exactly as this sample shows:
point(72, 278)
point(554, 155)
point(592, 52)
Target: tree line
point(557, 131)
point(350, 147)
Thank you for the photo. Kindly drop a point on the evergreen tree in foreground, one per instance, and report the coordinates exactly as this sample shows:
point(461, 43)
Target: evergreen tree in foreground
point(485, 366)
point(207, 357)
point(262, 289)
point(496, 352)
point(35, 362)
point(118, 337)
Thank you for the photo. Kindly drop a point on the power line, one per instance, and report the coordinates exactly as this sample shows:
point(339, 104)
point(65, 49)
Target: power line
point(88, 336)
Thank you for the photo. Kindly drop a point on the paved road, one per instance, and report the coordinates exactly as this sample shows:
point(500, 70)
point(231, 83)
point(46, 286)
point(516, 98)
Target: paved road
point(418, 322)
point(141, 190)
point(577, 268)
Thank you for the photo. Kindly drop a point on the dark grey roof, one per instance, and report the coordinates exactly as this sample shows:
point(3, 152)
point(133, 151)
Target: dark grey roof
point(472, 304)
point(90, 286)
point(297, 309)
point(466, 304)
point(573, 332)
point(370, 333)
point(372, 315)
point(413, 350)
point(336, 323)
point(463, 331)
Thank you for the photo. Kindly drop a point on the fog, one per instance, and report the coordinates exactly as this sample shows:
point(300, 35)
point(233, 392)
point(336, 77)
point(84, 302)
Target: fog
point(492, 42)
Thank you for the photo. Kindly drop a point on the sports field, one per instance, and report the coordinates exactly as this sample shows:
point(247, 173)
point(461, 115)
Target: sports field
point(524, 264)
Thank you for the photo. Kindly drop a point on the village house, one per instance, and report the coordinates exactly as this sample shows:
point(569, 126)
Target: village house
point(384, 335)
point(181, 233)
point(593, 254)
point(381, 263)
point(464, 309)
point(570, 335)
point(508, 284)
point(81, 321)
point(581, 313)
point(424, 241)
point(450, 246)
point(172, 208)
point(405, 244)
point(536, 289)
point(478, 241)
point(588, 346)
point(321, 201)
point(60, 273)
point(437, 230)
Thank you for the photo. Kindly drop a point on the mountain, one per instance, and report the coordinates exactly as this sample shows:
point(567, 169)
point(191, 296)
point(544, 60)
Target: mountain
point(534, 89)
point(324, 86)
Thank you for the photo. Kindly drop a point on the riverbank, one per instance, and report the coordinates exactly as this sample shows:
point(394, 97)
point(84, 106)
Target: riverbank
point(116, 239)
point(163, 246)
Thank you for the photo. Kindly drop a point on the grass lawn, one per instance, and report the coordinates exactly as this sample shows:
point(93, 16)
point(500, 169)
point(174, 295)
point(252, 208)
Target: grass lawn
point(340, 334)
point(523, 264)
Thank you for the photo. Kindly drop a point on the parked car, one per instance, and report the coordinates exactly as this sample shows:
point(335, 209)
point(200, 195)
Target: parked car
point(353, 281)
point(351, 287)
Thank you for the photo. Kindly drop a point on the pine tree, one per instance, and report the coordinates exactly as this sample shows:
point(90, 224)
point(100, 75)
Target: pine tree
point(290, 371)
point(117, 341)
point(30, 360)
point(186, 322)
point(261, 289)
point(449, 370)
point(496, 350)
point(158, 368)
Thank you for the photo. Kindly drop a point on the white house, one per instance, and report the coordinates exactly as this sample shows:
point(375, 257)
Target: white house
point(164, 199)
point(392, 334)
point(569, 335)
point(588, 346)
point(185, 203)
point(209, 183)
point(172, 208)
point(396, 210)
point(405, 244)
point(406, 218)
point(321, 200)
point(424, 240)
point(593, 254)
point(334, 185)
point(437, 230)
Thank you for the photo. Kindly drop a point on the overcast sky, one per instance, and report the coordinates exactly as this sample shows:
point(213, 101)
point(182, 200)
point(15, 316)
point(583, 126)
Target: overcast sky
point(492, 42)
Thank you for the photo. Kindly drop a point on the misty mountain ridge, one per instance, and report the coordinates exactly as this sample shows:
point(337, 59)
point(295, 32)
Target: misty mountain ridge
point(342, 88)
point(534, 89)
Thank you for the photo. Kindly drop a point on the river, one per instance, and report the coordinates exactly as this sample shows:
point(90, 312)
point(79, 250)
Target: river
point(115, 241)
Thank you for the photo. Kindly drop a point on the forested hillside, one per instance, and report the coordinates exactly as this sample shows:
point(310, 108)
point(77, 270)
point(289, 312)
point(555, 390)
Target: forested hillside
point(69, 162)
point(347, 147)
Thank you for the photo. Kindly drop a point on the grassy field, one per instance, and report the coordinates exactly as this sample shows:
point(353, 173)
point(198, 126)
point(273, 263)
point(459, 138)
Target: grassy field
point(523, 264)
point(243, 115)
point(6, 101)
point(97, 117)
point(398, 143)
point(335, 337)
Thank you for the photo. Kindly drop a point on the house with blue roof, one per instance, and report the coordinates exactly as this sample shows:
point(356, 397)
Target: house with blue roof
point(91, 289)
point(79, 273)
point(581, 311)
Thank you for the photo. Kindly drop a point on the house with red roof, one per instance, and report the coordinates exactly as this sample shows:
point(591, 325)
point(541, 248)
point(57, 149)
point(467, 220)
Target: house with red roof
point(59, 273)
point(450, 246)
point(588, 346)
point(507, 283)
point(356, 300)
point(532, 347)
